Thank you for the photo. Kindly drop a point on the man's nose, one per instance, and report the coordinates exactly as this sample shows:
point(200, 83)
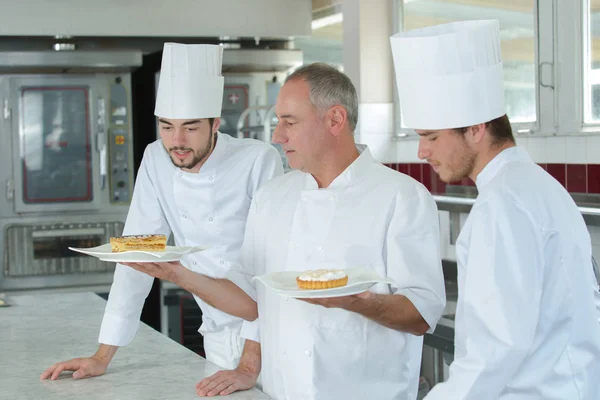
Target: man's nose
point(178, 137)
point(424, 151)
point(278, 136)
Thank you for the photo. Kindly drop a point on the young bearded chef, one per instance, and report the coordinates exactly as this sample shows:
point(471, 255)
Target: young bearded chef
point(526, 323)
point(339, 208)
point(197, 184)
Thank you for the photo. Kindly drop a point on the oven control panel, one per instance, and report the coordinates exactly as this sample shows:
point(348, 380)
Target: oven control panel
point(119, 146)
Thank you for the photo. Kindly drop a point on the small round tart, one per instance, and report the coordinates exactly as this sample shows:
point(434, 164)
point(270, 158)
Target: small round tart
point(322, 279)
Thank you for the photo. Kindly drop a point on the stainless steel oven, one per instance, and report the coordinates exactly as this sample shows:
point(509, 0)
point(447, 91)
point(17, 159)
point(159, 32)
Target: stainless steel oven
point(66, 166)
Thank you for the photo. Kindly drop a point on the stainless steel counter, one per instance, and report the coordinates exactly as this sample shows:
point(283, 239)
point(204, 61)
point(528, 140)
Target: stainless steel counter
point(38, 330)
point(463, 201)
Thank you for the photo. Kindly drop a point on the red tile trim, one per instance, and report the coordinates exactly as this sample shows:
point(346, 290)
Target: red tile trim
point(577, 178)
point(426, 176)
point(403, 168)
point(559, 172)
point(593, 178)
point(416, 171)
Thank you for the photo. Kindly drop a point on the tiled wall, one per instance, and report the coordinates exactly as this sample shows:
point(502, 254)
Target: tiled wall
point(572, 161)
point(576, 178)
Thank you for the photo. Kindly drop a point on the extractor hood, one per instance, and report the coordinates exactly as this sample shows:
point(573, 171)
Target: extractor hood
point(234, 61)
point(260, 60)
point(70, 61)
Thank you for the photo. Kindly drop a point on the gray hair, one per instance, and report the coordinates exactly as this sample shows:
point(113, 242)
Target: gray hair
point(329, 87)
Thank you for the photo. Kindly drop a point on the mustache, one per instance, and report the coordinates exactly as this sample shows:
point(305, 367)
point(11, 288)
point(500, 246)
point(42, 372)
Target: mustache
point(180, 148)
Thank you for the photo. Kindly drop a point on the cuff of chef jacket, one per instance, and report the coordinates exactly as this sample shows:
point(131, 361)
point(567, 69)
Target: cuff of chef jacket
point(117, 331)
point(251, 330)
point(426, 307)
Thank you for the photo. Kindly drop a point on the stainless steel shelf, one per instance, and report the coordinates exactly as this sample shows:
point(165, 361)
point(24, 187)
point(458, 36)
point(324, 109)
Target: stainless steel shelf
point(591, 213)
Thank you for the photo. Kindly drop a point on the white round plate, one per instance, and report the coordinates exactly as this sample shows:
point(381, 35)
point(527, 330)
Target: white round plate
point(360, 279)
point(171, 253)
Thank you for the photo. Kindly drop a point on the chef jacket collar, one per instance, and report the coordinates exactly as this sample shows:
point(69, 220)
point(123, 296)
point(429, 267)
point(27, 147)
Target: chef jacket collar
point(493, 167)
point(218, 153)
point(351, 173)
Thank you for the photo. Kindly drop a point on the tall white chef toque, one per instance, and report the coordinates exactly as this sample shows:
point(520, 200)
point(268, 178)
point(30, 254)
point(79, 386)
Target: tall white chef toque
point(450, 75)
point(190, 84)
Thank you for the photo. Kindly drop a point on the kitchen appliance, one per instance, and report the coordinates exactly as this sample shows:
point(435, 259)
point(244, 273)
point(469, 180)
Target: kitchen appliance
point(66, 164)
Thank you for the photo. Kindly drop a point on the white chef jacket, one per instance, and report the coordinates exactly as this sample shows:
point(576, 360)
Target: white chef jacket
point(369, 216)
point(208, 208)
point(526, 323)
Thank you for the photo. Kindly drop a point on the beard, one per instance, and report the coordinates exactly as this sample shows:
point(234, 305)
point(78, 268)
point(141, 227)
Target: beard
point(461, 167)
point(199, 154)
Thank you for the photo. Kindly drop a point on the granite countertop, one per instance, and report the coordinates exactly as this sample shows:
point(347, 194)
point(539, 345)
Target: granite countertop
point(39, 330)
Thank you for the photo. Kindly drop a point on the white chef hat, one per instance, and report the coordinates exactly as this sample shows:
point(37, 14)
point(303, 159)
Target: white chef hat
point(450, 75)
point(190, 84)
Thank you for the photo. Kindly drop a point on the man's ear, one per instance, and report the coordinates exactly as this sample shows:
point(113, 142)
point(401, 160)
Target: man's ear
point(216, 125)
point(477, 133)
point(337, 119)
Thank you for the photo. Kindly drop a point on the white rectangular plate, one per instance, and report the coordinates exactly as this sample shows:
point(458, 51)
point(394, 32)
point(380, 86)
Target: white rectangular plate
point(171, 253)
point(360, 279)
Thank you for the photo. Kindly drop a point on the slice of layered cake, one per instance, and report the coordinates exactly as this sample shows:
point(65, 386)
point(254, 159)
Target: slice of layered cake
point(138, 242)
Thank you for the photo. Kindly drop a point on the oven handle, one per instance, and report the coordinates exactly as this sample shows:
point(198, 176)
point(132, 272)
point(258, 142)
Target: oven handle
point(67, 232)
point(101, 141)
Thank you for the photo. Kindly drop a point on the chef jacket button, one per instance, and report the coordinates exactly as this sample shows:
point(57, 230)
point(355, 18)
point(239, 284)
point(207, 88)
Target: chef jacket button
point(286, 298)
point(210, 178)
point(221, 262)
point(307, 353)
point(180, 173)
point(194, 262)
point(319, 247)
point(211, 219)
point(184, 215)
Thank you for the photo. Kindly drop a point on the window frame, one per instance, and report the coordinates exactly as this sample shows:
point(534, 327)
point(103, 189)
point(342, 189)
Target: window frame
point(586, 53)
point(561, 30)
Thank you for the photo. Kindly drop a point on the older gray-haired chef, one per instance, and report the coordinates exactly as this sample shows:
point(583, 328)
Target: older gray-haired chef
point(339, 208)
point(196, 184)
point(526, 322)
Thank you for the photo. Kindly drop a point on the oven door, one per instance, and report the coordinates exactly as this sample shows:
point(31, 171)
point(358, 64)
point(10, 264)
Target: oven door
point(54, 128)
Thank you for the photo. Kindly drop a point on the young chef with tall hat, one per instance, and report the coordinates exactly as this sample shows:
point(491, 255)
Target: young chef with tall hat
point(339, 208)
point(196, 184)
point(526, 323)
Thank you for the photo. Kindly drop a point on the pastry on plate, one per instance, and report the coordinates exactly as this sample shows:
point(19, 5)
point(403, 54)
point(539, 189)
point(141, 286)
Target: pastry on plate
point(138, 242)
point(322, 279)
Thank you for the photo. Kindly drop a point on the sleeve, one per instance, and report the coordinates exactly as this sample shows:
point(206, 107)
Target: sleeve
point(242, 274)
point(252, 264)
point(596, 288)
point(597, 302)
point(130, 287)
point(267, 166)
point(499, 301)
point(251, 330)
point(413, 255)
